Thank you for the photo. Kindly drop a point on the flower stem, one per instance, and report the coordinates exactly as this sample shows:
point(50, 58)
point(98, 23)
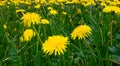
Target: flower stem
point(111, 33)
point(39, 39)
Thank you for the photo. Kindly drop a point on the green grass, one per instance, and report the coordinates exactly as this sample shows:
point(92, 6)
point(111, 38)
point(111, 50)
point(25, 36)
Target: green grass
point(102, 48)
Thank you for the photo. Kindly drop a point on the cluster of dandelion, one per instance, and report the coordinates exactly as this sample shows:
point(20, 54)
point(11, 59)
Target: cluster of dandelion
point(58, 2)
point(30, 19)
point(56, 44)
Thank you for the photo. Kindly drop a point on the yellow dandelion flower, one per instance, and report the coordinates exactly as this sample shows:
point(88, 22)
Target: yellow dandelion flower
point(2, 3)
point(20, 10)
point(31, 18)
point(75, 1)
point(103, 4)
point(79, 11)
point(37, 6)
point(53, 12)
point(64, 13)
point(81, 32)
point(44, 21)
point(5, 26)
point(40, 1)
point(61, 1)
point(49, 8)
point(55, 44)
point(51, 1)
point(112, 8)
point(37, 1)
point(27, 35)
point(87, 2)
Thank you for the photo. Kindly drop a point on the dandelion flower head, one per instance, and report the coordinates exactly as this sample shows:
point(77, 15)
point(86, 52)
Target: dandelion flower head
point(5, 26)
point(53, 12)
point(55, 44)
point(44, 21)
point(81, 32)
point(37, 6)
point(2, 3)
point(31, 18)
point(112, 8)
point(64, 13)
point(20, 10)
point(27, 35)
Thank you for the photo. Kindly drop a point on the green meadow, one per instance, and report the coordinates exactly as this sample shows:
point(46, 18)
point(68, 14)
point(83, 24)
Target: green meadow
point(96, 45)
